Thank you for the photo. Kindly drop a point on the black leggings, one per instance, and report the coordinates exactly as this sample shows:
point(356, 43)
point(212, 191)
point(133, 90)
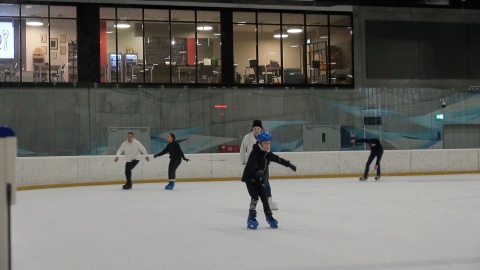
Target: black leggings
point(369, 161)
point(128, 169)
point(256, 191)
point(172, 167)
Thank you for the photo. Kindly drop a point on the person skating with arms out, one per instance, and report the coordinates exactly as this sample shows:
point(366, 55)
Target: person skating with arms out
point(376, 151)
point(132, 148)
point(176, 156)
point(253, 176)
point(246, 147)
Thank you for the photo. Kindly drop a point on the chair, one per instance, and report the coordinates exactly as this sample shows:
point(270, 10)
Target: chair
point(342, 76)
point(59, 74)
point(11, 73)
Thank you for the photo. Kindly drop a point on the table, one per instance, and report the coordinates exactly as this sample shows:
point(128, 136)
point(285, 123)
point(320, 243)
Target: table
point(273, 71)
point(185, 68)
point(41, 72)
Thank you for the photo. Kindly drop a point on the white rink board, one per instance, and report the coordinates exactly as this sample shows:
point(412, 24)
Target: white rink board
point(36, 171)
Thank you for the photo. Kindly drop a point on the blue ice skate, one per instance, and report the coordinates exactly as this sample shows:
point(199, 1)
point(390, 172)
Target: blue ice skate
point(272, 222)
point(252, 222)
point(170, 186)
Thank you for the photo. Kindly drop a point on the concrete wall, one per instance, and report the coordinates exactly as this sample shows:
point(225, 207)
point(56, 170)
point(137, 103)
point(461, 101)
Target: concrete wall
point(88, 170)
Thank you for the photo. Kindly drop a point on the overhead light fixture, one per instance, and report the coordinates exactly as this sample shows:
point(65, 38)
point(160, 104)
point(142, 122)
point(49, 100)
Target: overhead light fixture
point(294, 29)
point(34, 22)
point(122, 24)
point(294, 45)
point(204, 27)
point(280, 33)
point(217, 34)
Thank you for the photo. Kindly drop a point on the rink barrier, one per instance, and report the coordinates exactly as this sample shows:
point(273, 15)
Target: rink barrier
point(52, 172)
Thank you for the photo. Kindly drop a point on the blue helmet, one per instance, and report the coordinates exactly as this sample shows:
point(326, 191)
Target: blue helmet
point(264, 136)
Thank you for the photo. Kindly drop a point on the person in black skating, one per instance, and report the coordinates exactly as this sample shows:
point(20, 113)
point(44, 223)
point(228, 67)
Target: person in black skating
point(246, 147)
point(253, 176)
point(132, 148)
point(376, 150)
point(176, 156)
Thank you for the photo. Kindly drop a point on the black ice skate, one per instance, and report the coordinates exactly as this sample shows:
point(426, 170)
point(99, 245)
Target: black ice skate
point(363, 178)
point(377, 177)
point(127, 186)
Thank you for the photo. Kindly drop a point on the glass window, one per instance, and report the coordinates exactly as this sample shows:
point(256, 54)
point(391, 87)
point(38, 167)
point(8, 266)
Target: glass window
point(208, 47)
point(245, 53)
point(268, 18)
point(293, 48)
point(183, 56)
point(63, 12)
point(317, 19)
point(156, 15)
point(129, 13)
point(107, 13)
point(158, 45)
point(37, 43)
point(63, 64)
point(183, 16)
point(9, 10)
point(244, 17)
point(341, 57)
point(340, 20)
point(317, 39)
point(10, 43)
point(269, 57)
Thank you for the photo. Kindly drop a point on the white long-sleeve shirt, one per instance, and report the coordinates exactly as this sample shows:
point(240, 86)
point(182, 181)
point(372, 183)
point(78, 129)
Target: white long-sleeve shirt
point(132, 150)
point(247, 145)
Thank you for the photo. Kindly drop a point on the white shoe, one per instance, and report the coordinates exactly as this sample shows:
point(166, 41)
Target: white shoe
point(272, 204)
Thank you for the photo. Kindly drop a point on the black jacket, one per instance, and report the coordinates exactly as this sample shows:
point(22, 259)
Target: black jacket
point(377, 150)
point(257, 162)
point(174, 149)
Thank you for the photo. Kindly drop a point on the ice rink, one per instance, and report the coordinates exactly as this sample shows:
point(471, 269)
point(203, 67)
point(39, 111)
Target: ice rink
point(408, 222)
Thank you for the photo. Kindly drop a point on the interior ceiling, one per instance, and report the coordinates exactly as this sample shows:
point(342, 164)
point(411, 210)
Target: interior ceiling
point(457, 4)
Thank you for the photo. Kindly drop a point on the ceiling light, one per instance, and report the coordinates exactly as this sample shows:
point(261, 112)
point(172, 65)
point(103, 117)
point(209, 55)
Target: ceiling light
point(294, 29)
point(204, 27)
point(34, 21)
point(122, 24)
point(280, 33)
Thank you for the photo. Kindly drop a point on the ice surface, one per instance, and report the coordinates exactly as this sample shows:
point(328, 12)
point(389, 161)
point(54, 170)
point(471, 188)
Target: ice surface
point(411, 222)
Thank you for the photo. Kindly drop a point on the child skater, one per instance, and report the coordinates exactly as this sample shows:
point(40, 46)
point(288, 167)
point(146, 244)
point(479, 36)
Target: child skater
point(253, 176)
point(247, 143)
point(376, 150)
point(176, 156)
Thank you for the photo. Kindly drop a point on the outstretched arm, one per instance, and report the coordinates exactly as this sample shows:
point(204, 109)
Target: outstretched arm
point(163, 152)
point(282, 161)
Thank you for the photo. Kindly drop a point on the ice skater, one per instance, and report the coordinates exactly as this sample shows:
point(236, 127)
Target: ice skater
point(254, 178)
point(176, 156)
point(376, 150)
point(246, 147)
point(132, 148)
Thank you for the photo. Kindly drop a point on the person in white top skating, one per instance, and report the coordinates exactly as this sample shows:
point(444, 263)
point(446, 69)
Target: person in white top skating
point(246, 148)
point(133, 149)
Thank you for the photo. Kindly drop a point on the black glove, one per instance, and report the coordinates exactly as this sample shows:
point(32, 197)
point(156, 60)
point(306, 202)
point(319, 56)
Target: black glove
point(293, 167)
point(186, 159)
